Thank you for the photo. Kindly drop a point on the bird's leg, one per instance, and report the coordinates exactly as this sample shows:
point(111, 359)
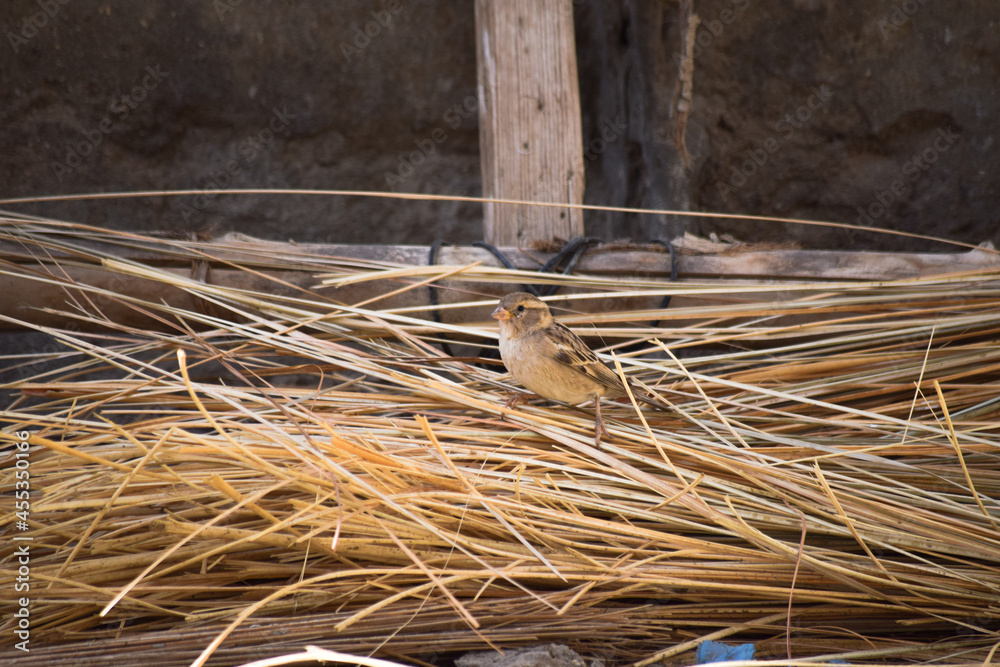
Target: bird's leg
point(515, 396)
point(599, 429)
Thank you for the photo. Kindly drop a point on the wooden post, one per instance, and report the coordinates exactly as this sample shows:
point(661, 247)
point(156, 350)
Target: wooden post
point(530, 135)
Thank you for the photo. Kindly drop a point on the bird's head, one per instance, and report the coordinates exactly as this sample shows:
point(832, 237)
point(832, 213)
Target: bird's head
point(520, 312)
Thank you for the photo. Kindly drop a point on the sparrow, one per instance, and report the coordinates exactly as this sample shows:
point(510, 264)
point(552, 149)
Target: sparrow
point(552, 361)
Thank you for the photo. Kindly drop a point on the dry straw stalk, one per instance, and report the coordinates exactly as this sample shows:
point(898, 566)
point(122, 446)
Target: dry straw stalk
point(300, 471)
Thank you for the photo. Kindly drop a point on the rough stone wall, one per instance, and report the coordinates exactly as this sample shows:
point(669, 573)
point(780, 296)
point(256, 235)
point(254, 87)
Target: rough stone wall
point(881, 113)
point(248, 94)
point(877, 113)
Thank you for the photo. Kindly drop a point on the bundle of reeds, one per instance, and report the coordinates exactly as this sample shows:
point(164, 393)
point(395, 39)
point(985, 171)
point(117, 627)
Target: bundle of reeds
point(290, 470)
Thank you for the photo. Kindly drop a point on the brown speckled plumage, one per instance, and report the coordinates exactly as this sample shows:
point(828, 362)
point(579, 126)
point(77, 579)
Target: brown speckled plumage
point(549, 359)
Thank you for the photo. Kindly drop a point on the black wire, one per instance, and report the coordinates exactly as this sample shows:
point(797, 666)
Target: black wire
point(575, 246)
point(574, 249)
point(435, 313)
point(506, 262)
point(673, 273)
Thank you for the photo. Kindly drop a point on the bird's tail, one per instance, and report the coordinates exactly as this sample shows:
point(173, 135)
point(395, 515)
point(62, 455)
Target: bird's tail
point(645, 395)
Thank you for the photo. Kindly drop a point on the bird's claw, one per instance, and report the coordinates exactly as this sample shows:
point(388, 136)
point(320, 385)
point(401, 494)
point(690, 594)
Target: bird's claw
point(515, 396)
point(599, 432)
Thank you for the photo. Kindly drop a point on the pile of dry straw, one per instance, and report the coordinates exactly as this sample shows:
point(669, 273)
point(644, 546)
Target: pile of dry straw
point(284, 471)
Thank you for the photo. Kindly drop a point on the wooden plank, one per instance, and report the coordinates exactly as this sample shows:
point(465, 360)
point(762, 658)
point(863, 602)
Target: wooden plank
point(23, 297)
point(639, 260)
point(531, 139)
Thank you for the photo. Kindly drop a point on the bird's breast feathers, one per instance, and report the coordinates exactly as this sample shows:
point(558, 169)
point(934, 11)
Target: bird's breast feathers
point(553, 363)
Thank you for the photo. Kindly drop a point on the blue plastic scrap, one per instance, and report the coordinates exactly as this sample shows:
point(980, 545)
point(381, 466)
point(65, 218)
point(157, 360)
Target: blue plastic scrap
point(710, 651)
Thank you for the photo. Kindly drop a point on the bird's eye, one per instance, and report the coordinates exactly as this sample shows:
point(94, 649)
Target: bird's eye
point(520, 309)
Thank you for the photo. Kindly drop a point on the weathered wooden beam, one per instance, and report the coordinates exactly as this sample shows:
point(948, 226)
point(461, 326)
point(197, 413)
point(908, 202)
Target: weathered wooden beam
point(530, 135)
point(24, 297)
point(639, 260)
point(649, 261)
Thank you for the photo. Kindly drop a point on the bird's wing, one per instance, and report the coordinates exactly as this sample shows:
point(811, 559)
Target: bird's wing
point(573, 352)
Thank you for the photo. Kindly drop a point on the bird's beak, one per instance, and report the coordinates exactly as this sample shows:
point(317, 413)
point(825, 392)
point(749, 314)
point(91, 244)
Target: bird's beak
point(501, 314)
